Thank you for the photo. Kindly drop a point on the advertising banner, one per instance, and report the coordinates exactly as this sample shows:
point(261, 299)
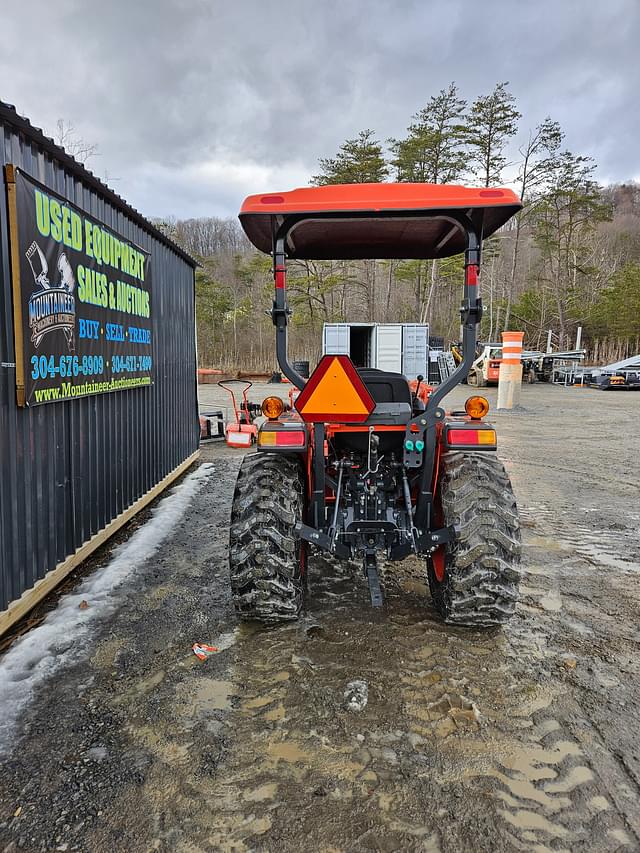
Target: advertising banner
point(82, 298)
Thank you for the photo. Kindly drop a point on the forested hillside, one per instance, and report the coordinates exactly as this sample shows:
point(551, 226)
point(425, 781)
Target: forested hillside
point(570, 258)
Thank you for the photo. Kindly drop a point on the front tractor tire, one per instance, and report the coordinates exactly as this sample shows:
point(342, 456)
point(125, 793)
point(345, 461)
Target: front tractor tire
point(474, 579)
point(266, 557)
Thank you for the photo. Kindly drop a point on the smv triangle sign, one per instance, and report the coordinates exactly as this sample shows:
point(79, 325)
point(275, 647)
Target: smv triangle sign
point(335, 393)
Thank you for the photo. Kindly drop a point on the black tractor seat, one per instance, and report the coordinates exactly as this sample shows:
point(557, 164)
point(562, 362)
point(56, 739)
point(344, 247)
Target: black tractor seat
point(386, 387)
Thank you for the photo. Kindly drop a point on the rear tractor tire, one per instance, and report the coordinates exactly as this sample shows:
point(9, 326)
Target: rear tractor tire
point(474, 579)
point(266, 557)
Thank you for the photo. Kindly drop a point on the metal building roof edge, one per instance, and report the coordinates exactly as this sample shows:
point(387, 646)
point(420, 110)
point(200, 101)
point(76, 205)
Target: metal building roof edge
point(9, 114)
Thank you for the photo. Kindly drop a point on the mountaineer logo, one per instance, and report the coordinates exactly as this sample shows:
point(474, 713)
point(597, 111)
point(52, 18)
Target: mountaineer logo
point(50, 307)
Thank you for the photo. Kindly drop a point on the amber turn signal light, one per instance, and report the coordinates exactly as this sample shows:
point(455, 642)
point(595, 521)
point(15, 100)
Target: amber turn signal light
point(272, 408)
point(476, 407)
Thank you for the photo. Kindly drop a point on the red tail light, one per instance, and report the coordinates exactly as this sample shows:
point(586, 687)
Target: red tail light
point(458, 437)
point(282, 437)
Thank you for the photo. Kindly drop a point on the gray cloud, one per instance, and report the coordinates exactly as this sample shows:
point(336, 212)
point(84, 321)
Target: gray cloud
point(195, 103)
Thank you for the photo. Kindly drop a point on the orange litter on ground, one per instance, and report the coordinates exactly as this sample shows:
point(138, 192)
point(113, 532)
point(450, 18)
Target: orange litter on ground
point(202, 650)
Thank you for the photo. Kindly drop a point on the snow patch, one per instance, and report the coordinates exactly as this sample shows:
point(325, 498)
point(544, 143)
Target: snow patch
point(64, 636)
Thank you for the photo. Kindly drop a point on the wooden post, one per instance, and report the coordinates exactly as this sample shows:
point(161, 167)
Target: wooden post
point(12, 204)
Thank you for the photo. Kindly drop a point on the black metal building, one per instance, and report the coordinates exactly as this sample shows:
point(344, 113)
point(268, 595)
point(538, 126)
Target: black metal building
point(72, 470)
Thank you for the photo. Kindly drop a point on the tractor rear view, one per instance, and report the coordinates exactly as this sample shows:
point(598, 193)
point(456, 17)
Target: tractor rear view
point(369, 464)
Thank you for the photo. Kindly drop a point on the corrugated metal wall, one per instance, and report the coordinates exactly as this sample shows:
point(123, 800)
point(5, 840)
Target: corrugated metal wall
point(68, 468)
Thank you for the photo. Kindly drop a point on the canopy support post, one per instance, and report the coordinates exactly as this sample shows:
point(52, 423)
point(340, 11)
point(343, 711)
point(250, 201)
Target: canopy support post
point(281, 312)
point(471, 314)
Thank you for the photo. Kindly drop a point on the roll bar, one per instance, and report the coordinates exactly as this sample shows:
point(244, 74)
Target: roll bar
point(470, 310)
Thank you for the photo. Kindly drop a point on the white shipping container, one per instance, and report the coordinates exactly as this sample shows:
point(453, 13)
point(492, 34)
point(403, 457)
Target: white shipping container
point(415, 349)
point(388, 347)
point(335, 339)
point(357, 340)
point(394, 347)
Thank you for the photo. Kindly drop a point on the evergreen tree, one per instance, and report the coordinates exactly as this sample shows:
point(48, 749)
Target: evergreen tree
point(358, 161)
point(618, 310)
point(433, 151)
point(213, 301)
point(491, 122)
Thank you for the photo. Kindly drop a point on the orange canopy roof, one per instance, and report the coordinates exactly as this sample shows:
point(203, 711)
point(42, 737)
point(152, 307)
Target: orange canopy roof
point(366, 221)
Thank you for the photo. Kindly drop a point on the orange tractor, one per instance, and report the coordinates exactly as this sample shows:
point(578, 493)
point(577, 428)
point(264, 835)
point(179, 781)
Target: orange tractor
point(367, 464)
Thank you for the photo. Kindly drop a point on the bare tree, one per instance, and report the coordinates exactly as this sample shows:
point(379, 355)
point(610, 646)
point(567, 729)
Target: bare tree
point(536, 168)
point(67, 136)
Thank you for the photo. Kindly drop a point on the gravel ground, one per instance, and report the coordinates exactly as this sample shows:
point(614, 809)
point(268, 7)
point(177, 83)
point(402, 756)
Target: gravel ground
point(524, 738)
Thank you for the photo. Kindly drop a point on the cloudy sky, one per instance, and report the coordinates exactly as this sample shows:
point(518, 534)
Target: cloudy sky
point(196, 103)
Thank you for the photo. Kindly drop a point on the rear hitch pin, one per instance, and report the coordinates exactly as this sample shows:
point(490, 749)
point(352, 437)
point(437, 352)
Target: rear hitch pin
point(371, 572)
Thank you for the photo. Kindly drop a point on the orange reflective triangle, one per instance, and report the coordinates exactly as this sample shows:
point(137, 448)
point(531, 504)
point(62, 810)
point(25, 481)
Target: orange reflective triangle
point(335, 393)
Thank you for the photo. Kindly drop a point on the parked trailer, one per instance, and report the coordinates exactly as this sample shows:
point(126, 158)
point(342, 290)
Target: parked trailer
point(620, 380)
point(623, 375)
point(394, 347)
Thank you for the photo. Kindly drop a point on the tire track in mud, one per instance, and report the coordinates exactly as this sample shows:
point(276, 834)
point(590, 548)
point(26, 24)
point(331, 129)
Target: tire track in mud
point(591, 782)
point(496, 736)
point(541, 762)
point(312, 771)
